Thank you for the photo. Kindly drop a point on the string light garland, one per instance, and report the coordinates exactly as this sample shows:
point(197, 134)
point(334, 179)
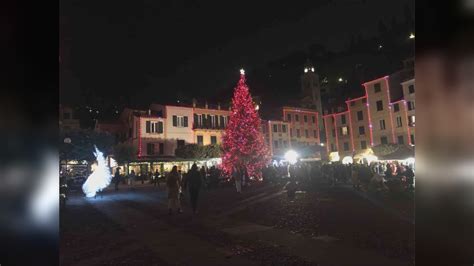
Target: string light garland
point(243, 143)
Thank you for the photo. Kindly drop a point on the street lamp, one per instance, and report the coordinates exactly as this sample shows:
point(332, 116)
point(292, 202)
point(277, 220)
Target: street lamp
point(67, 141)
point(412, 36)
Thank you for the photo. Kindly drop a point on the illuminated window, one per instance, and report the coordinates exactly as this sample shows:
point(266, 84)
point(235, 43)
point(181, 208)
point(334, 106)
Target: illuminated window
point(344, 131)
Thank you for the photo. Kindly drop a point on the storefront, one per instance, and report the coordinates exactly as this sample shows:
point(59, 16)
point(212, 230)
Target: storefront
point(144, 167)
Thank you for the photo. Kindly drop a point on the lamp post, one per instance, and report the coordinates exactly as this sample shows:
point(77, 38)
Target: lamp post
point(67, 141)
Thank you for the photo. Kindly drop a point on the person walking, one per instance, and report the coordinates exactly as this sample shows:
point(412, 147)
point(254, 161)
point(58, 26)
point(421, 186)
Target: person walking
point(172, 183)
point(117, 179)
point(193, 181)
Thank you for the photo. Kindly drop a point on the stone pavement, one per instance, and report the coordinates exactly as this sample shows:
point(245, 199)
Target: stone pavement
point(142, 215)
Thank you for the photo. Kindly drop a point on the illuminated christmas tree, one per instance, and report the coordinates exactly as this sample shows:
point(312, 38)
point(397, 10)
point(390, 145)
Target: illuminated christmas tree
point(243, 143)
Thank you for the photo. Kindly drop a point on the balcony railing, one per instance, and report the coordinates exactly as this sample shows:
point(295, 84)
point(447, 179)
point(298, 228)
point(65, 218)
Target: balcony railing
point(215, 127)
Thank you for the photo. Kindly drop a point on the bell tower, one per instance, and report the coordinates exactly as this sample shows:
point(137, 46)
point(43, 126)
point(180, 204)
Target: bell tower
point(311, 90)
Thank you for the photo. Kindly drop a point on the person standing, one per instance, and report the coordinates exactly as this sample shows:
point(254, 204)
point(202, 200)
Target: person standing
point(156, 178)
point(193, 182)
point(172, 183)
point(131, 179)
point(117, 179)
point(237, 175)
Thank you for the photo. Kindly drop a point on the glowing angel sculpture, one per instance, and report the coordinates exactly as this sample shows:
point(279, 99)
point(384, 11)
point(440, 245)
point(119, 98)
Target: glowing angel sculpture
point(100, 178)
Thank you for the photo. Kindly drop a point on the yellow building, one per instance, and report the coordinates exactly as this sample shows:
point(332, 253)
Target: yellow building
point(209, 124)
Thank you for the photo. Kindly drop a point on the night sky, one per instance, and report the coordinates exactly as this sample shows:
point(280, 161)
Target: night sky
point(136, 52)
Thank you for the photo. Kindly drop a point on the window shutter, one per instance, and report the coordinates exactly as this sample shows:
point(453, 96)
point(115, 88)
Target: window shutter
point(195, 123)
point(160, 127)
point(175, 121)
point(185, 121)
point(148, 126)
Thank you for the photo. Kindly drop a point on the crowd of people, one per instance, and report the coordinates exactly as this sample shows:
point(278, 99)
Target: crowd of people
point(377, 177)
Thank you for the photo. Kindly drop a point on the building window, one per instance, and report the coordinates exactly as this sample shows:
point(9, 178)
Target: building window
point(213, 121)
point(332, 147)
point(400, 140)
point(306, 133)
point(361, 130)
point(297, 118)
point(379, 105)
point(275, 128)
point(291, 132)
point(411, 89)
point(360, 116)
point(153, 127)
point(180, 142)
point(213, 140)
point(161, 148)
point(396, 107)
point(332, 119)
point(384, 140)
point(285, 144)
point(288, 117)
point(148, 127)
point(297, 133)
point(221, 121)
point(412, 139)
point(363, 144)
point(353, 103)
point(411, 120)
point(399, 121)
point(150, 148)
point(411, 105)
point(283, 128)
point(344, 131)
point(346, 146)
point(275, 144)
point(305, 118)
point(377, 87)
point(382, 124)
point(315, 133)
point(364, 100)
point(343, 119)
point(314, 119)
point(200, 140)
point(180, 121)
point(334, 133)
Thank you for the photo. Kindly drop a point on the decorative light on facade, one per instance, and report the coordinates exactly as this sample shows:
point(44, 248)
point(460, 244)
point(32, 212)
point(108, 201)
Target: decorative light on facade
point(305, 70)
point(312, 69)
point(340, 80)
point(242, 71)
point(412, 36)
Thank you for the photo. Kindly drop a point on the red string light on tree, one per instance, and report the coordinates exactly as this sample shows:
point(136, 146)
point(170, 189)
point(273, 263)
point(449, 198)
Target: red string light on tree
point(243, 142)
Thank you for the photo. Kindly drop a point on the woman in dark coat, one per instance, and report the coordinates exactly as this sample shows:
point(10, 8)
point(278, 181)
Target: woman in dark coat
point(194, 182)
point(173, 184)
